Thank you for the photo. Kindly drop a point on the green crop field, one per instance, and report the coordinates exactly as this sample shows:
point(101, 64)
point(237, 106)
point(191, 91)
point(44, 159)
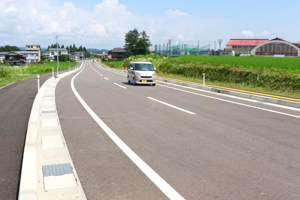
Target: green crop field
point(290, 65)
point(266, 74)
point(12, 74)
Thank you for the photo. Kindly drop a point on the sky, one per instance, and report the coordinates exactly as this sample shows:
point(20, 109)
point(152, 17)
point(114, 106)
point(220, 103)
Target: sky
point(102, 24)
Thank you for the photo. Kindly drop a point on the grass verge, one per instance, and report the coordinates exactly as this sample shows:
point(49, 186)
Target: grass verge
point(13, 74)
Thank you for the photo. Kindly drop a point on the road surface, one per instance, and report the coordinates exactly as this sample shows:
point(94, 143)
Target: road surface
point(200, 145)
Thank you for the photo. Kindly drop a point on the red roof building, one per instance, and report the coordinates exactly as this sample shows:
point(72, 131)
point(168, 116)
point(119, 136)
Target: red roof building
point(243, 46)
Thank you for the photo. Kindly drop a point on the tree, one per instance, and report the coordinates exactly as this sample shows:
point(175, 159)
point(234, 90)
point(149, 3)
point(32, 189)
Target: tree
point(63, 58)
point(62, 46)
point(136, 43)
point(80, 48)
point(143, 44)
point(42, 56)
point(84, 49)
point(87, 54)
point(9, 48)
point(131, 39)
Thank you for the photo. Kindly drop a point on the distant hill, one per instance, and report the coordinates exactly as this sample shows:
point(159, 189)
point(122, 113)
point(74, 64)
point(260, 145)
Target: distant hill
point(97, 50)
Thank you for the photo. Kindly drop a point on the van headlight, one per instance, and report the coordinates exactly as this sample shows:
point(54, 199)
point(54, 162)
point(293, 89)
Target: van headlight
point(137, 73)
point(154, 74)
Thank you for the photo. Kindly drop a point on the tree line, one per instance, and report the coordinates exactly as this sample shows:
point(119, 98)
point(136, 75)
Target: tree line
point(8, 48)
point(72, 48)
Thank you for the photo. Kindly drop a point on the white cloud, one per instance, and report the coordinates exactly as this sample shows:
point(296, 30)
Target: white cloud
point(248, 33)
point(266, 33)
point(170, 12)
point(37, 21)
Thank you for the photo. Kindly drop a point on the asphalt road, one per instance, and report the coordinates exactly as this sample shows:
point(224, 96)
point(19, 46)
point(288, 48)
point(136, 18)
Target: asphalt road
point(228, 149)
point(15, 106)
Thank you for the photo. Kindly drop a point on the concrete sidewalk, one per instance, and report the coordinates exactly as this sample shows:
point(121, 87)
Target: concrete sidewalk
point(47, 169)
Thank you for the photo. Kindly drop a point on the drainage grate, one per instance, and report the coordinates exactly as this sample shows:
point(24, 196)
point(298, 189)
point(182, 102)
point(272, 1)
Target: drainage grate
point(48, 111)
point(57, 170)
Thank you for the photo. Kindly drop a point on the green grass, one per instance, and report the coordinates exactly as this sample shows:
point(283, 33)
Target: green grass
point(114, 64)
point(286, 64)
point(10, 74)
point(265, 74)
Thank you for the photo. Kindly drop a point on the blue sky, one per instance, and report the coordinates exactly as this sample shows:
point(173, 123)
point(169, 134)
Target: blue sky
point(103, 23)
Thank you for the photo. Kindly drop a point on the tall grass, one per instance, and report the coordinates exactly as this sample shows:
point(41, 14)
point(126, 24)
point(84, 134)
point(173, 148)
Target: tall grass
point(10, 74)
point(286, 64)
point(266, 74)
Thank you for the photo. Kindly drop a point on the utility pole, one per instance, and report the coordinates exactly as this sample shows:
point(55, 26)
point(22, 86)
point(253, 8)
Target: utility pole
point(69, 59)
point(57, 54)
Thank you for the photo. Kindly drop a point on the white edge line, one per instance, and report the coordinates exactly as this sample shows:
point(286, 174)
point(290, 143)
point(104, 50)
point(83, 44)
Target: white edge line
point(150, 173)
point(172, 106)
point(106, 78)
point(228, 101)
point(120, 85)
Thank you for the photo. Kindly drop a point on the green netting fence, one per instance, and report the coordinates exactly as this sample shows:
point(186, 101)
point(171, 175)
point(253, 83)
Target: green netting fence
point(180, 50)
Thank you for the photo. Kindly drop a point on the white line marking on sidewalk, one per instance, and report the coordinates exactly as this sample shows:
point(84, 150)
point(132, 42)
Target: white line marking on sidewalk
point(150, 173)
point(241, 104)
point(120, 85)
point(106, 78)
point(172, 106)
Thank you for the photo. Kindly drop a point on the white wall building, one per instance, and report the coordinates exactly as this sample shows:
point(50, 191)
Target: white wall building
point(31, 56)
point(53, 52)
point(33, 49)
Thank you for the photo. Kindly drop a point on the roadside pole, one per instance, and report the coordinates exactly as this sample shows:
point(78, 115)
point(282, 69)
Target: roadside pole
point(69, 58)
point(53, 72)
point(57, 56)
point(38, 82)
point(203, 79)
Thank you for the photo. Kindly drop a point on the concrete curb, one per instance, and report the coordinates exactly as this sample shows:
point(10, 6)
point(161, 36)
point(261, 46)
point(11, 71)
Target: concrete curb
point(234, 93)
point(32, 181)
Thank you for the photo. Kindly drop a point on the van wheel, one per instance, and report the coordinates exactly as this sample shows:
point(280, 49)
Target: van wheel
point(133, 81)
point(128, 80)
point(154, 84)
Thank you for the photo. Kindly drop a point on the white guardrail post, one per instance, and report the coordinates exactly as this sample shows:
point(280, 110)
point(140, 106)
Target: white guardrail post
point(203, 79)
point(38, 82)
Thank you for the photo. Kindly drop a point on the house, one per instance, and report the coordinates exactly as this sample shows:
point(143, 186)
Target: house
point(2, 56)
point(32, 50)
point(117, 53)
point(31, 56)
point(53, 52)
point(77, 55)
point(14, 58)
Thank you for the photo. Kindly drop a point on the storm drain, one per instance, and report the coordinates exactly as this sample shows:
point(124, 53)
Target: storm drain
point(57, 169)
point(48, 111)
point(58, 176)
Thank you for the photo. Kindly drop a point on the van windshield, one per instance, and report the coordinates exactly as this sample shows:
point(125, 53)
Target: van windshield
point(143, 67)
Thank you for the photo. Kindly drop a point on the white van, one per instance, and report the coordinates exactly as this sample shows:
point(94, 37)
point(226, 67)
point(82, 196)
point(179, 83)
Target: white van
point(141, 73)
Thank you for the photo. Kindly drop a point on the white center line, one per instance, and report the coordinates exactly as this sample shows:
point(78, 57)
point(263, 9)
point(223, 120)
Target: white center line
point(106, 78)
point(172, 106)
point(120, 85)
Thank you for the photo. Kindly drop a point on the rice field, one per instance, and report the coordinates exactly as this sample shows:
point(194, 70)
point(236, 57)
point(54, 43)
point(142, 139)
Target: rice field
point(279, 64)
